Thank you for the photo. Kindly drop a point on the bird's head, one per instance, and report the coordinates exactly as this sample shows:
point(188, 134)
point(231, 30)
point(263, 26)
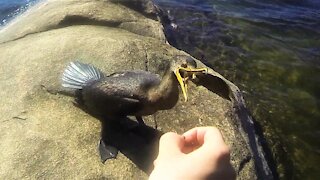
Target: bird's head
point(185, 68)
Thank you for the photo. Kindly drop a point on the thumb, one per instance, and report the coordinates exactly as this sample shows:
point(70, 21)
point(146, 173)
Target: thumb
point(170, 145)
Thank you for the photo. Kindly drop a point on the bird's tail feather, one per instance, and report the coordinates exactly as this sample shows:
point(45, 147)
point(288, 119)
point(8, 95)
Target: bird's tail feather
point(77, 75)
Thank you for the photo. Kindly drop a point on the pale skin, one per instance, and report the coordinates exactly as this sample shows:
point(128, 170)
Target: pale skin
point(199, 153)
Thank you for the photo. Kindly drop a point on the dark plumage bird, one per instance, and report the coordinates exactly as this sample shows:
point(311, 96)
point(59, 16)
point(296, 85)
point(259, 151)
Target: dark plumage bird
point(137, 93)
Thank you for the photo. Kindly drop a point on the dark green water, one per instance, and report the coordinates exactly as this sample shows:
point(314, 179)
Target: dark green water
point(271, 50)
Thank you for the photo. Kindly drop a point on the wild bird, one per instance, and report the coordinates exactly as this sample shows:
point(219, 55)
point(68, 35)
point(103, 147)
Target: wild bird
point(136, 93)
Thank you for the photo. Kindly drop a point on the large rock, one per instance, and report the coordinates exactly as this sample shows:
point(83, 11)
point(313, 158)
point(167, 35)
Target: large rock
point(43, 135)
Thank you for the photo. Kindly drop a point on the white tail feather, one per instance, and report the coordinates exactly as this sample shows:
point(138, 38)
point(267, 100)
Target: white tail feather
point(77, 75)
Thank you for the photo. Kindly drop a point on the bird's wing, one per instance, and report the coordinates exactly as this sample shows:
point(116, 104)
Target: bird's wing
point(121, 93)
point(116, 97)
point(132, 84)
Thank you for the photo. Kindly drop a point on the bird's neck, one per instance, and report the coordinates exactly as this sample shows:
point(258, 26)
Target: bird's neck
point(166, 94)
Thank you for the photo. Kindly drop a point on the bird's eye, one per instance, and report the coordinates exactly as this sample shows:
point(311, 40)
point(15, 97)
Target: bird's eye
point(184, 65)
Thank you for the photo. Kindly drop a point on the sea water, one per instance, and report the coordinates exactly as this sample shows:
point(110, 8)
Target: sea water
point(12, 8)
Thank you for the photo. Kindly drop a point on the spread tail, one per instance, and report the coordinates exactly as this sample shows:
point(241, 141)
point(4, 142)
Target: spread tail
point(77, 75)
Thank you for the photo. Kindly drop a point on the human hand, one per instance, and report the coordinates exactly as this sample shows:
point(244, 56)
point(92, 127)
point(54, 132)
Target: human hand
point(199, 153)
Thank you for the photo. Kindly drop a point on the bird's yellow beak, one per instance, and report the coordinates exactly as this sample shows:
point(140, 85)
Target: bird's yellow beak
point(183, 81)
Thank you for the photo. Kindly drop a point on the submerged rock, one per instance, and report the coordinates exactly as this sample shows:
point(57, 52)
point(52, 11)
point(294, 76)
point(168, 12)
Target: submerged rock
point(43, 135)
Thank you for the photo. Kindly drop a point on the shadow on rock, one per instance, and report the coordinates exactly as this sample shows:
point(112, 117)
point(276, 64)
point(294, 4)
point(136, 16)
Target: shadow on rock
point(213, 84)
point(138, 143)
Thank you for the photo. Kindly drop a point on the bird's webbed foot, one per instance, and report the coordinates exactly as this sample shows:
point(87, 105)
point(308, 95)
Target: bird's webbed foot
point(106, 151)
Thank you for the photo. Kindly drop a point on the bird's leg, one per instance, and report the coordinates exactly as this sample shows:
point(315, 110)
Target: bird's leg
point(155, 121)
point(105, 146)
point(140, 121)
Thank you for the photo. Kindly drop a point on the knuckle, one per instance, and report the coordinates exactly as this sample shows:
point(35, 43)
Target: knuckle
point(167, 136)
point(155, 162)
point(224, 152)
point(215, 131)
